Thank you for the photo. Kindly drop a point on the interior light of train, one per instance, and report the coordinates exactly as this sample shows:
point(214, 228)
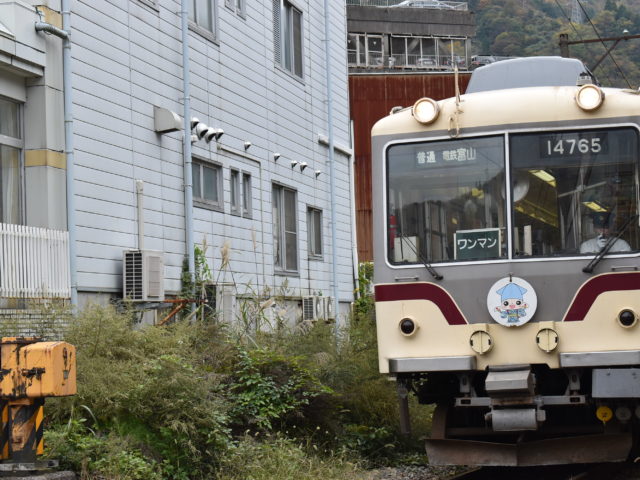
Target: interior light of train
point(425, 110)
point(408, 326)
point(544, 176)
point(589, 97)
point(595, 206)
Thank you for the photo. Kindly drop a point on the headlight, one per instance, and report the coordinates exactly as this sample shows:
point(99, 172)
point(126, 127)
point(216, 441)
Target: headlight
point(589, 97)
point(627, 318)
point(425, 110)
point(408, 326)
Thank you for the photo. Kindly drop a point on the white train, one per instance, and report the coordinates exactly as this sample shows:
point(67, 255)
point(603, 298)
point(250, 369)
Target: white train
point(507, 256)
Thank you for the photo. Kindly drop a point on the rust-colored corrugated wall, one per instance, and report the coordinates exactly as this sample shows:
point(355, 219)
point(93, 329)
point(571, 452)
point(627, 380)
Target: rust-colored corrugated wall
point(371, 97)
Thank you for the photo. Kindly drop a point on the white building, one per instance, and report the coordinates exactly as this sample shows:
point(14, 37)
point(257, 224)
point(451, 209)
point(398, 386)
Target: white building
point(257, 71)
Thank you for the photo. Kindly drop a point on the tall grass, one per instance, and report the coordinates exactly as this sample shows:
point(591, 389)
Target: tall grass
point(198, 400)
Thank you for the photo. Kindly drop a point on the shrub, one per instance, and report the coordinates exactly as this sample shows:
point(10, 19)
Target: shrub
point(267, 387)
point(152, 386)
point(98, 456)
point(166, 402)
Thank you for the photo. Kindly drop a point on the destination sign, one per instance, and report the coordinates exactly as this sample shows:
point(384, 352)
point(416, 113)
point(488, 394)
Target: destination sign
point(425, 158)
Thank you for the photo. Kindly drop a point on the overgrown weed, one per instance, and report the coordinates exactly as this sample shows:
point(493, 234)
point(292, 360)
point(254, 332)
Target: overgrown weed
point(201, 400)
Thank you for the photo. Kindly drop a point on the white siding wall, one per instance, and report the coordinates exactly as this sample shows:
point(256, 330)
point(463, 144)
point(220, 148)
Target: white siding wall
point(127, 58)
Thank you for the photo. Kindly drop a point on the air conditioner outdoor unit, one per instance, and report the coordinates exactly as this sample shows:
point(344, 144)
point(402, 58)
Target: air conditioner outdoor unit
point(329, 309)
point(143, 276)
point(313, 308)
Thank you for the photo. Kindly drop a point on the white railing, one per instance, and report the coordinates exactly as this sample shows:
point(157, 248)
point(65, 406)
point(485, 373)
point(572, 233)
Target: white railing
point(406, 61)
point(446, 5)
point(34, 262)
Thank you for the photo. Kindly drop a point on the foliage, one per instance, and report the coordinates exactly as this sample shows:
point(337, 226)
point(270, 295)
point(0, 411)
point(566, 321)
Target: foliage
point(267, 386)
point(363, 304)
point(153, 386)
point(280, 458)
point(197, 400)
point(97, 456)
point(532, 27)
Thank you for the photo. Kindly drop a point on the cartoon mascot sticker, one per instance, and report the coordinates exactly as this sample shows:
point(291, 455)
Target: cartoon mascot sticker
point(512, 301)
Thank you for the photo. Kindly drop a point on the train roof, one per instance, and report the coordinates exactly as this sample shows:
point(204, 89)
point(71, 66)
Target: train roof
point(524, 107)
point(529, 72)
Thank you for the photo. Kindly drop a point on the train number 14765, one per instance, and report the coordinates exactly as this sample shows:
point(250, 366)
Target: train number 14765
point(565, 145)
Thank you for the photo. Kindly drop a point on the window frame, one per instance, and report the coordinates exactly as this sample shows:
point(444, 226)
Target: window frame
point(246, 195)
point(234, 192)
point(314, 252)
point(150, 3)
point(237, 6)
point(391, 223)
point(506, 134)
point(17, 143)
point(203, 202)
point(279, 230)
point(203, 30)
point(285, 40)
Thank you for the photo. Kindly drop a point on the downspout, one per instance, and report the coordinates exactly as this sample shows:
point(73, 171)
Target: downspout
point(332, 167)
point(354, 232)
point(65, 34)
point(140, 198)
point(186, 141)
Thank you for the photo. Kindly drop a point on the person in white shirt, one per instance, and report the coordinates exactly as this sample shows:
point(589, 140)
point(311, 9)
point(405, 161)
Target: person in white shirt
point(601, 227)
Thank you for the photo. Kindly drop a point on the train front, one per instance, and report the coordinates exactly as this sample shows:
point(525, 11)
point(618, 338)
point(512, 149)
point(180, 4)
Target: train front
point(507, 244)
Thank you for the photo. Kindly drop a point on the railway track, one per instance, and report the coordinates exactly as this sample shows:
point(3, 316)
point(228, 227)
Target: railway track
point(597, 471)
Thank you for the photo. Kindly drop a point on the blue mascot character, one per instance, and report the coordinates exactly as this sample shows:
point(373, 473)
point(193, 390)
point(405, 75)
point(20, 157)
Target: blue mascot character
point(512, 304)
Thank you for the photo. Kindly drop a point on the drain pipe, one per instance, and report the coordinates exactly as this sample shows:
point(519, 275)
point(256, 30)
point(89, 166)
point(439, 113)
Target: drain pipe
point(352, 197)
point(65, 34)
point(332, 167)
point(140, 198)
point(186, 141)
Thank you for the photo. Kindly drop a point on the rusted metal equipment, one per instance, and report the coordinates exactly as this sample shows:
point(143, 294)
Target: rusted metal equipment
point(30, 370)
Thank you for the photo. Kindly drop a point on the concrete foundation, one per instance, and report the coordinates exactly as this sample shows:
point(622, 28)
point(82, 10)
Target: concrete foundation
point(65, 475)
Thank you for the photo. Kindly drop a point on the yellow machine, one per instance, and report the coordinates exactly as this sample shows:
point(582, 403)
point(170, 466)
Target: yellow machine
point(30, 370)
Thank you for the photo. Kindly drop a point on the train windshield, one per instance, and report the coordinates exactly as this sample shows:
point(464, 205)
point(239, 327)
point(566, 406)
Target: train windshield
point(446, 200)
point(571, 192)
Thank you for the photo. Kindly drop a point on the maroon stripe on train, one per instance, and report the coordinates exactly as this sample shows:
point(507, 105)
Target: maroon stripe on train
point(422, 291)
point(590, 290)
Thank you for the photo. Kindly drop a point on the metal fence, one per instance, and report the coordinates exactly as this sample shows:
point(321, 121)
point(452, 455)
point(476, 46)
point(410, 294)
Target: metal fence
point(444, 5)
point(34, 262)
point(407, 61)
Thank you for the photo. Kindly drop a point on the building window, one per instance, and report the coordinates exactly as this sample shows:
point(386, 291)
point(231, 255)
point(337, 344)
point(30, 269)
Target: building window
point(151, 3)
point(11, 146)
point(207, 184)
point(365, 50)
point(234, 188)
point(413, 52)
point(246, 195)
point(239, 6)
point(285, 230)
point(204, 16)
point(314, 232)
point(287, 27)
